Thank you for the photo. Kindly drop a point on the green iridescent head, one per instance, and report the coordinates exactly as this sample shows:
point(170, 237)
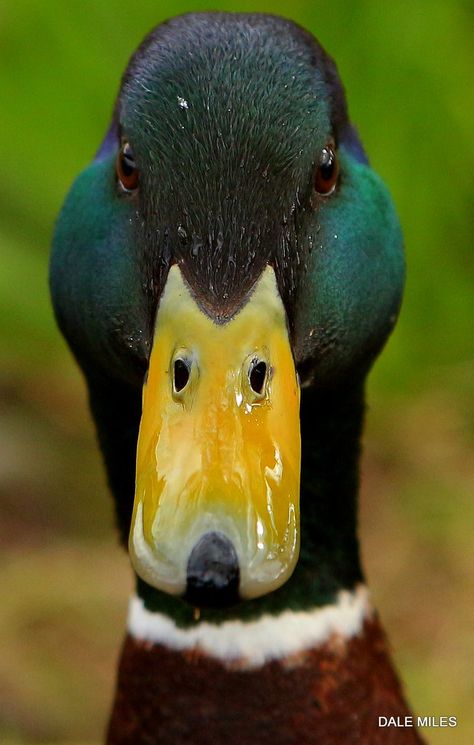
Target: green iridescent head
point(230, 151)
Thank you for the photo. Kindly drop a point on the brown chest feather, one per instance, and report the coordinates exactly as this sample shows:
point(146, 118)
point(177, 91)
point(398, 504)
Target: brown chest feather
point(332, 695)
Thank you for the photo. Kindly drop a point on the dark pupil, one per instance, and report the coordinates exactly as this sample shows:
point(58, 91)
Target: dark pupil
point(181, 375)
point(127, 161)
point(257, 376)
point(326, 164)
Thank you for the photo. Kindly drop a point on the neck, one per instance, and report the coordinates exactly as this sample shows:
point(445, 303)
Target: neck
point(331, 423)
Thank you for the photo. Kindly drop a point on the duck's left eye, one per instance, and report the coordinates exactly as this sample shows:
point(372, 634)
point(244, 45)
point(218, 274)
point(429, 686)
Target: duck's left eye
point(327, 171)
point(127, 171)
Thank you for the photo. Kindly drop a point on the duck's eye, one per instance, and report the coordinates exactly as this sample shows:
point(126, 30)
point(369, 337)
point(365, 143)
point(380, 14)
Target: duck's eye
point(327, 171)
point(127, 171)
point(257, 375)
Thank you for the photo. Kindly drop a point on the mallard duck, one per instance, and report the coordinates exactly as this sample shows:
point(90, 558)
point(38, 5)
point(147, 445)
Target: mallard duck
point(225, 272)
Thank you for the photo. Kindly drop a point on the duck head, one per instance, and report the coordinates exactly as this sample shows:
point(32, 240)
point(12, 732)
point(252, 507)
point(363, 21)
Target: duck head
point(228, 244)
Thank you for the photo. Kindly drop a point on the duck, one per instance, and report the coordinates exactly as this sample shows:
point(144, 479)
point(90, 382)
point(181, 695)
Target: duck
point(225, 271)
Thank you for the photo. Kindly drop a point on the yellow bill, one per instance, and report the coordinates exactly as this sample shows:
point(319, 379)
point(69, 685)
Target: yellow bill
point(219, 444)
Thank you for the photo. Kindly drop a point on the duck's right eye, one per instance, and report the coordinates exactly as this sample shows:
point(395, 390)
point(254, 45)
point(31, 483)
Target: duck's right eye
point(127, 171)
point(327, 171)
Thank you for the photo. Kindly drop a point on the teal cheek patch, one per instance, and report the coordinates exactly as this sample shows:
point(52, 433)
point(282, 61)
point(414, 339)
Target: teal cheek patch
point(355, 276)
point(94, 272)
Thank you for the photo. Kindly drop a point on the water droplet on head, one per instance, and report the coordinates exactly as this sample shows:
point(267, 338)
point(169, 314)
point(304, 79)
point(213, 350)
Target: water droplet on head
point(182, 103)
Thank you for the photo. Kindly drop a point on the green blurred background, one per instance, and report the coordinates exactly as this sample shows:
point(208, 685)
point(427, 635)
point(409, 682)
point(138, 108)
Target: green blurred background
point(408, 69)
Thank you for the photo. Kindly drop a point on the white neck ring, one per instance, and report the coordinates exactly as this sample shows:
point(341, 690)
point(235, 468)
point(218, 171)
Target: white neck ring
point(253, 643)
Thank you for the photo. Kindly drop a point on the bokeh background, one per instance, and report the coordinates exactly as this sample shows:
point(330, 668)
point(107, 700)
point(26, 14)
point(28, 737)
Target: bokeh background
point(408, 69)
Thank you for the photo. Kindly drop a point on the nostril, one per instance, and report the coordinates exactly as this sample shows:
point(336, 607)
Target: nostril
point(257, 375)
point(180, 374)
point(212, 572)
